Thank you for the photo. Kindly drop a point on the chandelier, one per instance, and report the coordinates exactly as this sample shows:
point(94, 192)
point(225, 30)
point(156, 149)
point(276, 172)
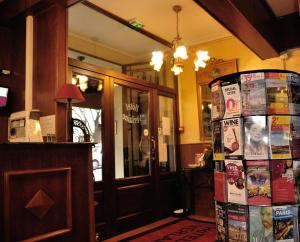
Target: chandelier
point(179, 52)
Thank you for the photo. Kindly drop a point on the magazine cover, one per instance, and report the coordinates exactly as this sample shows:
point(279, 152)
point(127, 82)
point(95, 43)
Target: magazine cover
point(282, 181)
point(232, 101)
point(217, 140)
point(256, 139)
point(295, 136)
point(261, 224)
point(296, 170)
point(283, 223)
point(277, 93)
point(220, 186)
point(236, 184)
point(279, 133)
point(219, 165)
point(258, 183)
point(294, 93)
point(237, 217)
point(232, 137)
point(253, 89)
point(220, 221)
point(217, 110)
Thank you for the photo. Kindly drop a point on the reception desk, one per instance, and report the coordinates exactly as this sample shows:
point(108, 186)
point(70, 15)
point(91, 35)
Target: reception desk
point(46, 192)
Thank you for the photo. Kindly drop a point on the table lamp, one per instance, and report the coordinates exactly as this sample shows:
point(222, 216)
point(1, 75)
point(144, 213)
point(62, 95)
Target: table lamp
point(69, 93)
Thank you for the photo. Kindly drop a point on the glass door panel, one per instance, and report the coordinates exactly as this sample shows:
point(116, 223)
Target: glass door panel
point(132, 132)
point(87, 118)
point(166, 135)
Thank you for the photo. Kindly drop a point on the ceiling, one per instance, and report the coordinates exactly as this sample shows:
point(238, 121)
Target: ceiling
point(268, 27)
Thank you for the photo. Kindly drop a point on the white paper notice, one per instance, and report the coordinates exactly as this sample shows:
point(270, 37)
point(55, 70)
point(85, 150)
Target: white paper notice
point(166, 130)
point(162, 150)
point(48, 125)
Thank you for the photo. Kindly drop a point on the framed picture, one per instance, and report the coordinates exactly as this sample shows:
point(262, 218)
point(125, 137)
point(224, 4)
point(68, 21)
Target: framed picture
point(214, 69)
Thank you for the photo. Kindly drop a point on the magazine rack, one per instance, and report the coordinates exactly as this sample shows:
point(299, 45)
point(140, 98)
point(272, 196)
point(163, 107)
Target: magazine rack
point(256, 144)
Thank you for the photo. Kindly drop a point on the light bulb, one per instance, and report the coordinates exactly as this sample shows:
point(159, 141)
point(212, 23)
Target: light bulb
point(177, 69)
point(180, 52)
point(199, 63)
point(157, 60)
point(203, 55)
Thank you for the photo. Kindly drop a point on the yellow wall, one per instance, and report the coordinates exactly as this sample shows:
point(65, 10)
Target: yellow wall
point(226, 49)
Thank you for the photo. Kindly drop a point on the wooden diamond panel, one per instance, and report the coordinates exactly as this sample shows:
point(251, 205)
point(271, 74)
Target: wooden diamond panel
point(38, 204)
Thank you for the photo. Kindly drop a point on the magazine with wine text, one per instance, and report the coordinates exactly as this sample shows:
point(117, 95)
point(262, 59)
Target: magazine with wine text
point(221, 221)
point(283, 220)
point(236, 184)
point(258, 183)
point(293, 81)
point(295, 136)
point(256, 139)
point(253, 89)
point(232, 137)
point(237, 219)
point(232, 98)
point(279, 133)
point(217, 140)
point(277, 93)
point(282, 181)
point(217, 110)
point(261, 224)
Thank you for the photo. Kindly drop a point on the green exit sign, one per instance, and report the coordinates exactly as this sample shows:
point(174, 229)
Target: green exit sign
point(136, 24)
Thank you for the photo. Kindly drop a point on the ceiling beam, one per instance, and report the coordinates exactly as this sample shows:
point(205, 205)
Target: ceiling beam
point(250, 21)
point(126, 23)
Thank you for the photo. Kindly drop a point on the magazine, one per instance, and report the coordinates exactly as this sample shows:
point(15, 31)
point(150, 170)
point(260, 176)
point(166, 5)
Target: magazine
point(232, 101)
point(258, 183)
point(232, 137)
point(236, 184)
point(279, 133)
point(293, 81)
point(253, 89)
point(296, 170)
point(277, 93)
point(217, 110)
point(296, 223)
point(283, 223)
point(295, 136)
point(261, 224)
point(282, 181)
point(220, 186)
point(237, 223)
point(220, 221)
point(217, 140)
point(256, 138)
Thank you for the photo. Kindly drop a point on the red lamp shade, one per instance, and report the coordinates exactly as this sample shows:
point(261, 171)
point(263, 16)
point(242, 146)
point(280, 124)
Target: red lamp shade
point(69, 93)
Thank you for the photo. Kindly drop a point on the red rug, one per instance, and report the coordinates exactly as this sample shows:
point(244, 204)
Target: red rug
point(179, 230)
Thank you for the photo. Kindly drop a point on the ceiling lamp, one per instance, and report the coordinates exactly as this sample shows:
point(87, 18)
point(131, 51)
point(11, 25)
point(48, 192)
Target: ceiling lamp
point(179, 51)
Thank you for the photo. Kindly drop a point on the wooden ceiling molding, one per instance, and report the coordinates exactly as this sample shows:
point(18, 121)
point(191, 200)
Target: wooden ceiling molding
point(254, 23)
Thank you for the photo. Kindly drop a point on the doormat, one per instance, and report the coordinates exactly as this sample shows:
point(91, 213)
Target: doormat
point(179, 230)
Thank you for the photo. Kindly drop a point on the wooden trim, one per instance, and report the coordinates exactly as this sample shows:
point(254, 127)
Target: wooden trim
point(124, 22)
point(95, 56)
point(247, 23)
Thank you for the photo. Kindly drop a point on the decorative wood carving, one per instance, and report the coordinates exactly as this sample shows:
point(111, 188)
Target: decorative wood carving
point(40, 204)
point(46, 194)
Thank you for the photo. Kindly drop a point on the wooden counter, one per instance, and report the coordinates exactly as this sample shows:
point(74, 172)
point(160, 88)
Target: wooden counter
point(46, 192)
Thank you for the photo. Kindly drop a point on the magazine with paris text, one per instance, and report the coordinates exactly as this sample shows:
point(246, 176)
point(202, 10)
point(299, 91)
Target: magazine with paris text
point(236, 184)
point(253, 89)
point(232, 137)
point(283, 223)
